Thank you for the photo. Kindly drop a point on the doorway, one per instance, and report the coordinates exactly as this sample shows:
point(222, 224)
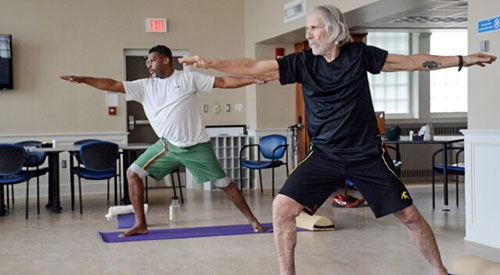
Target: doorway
point(138, 126)
point(140, 131)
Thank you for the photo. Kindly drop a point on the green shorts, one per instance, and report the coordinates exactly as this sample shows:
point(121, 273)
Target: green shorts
point(161, 158)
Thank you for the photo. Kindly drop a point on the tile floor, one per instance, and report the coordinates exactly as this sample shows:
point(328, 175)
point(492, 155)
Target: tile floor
point(68, 243)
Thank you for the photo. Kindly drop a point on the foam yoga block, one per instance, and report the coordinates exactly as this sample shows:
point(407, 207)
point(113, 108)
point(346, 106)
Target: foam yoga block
point(472, 265)
point(124, 215)
point(125, 220)
point(314, 223)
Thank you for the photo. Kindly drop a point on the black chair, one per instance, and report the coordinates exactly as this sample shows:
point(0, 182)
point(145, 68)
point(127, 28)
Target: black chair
point(97, 161)
point(146, 193)
point(456, 168)
point(272, 148)
point(12, 159)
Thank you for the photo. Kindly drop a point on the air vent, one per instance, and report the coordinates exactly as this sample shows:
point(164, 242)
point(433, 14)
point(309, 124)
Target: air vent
point(294, 10)
point(429, 20)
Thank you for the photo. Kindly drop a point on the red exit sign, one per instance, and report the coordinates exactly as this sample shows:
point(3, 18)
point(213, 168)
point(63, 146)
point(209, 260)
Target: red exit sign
point(156, 25)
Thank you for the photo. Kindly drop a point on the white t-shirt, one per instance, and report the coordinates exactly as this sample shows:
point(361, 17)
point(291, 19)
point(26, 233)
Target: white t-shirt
point(171, 105)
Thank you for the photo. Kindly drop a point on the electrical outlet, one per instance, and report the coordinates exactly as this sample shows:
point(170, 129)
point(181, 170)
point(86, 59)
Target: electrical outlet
point(228, 108)
point(238, 107)
point(64, 164)
point(216, 108)
point(484, 45)
point(205, 108)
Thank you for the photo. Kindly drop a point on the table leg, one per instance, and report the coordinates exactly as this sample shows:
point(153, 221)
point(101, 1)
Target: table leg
point(398, 153)
point(445, 176)
point(2, 206)
point(54, 203)
point(128, 157)
point(72, 179)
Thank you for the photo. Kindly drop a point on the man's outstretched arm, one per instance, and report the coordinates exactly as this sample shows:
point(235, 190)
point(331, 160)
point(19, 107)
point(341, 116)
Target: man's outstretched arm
point(105, 84)
point(229, 82)
point(267, 70)
point(425, 62)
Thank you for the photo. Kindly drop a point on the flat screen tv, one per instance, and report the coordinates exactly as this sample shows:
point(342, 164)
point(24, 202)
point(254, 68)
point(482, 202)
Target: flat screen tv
point(6, 74)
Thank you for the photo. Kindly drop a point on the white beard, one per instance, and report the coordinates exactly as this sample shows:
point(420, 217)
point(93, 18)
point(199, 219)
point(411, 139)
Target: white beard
point(318, 50)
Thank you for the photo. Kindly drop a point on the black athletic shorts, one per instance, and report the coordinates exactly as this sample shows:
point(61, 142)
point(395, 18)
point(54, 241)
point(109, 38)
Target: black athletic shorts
point(372, 172)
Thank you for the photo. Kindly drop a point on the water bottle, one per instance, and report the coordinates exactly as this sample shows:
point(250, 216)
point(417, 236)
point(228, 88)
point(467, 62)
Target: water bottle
point(174, 213)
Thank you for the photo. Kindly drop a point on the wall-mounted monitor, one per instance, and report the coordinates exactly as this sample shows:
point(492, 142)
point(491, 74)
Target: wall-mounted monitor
point(6, 73)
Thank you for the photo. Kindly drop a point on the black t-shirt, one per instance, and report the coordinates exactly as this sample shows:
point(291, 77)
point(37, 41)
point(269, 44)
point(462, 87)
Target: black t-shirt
point(339, 110)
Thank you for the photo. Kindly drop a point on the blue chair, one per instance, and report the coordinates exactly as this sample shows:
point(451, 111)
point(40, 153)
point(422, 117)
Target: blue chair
point(272, 148)
point(97, 161)
point(457, 169)
point(349, 185)
point(35, 160)
point(76, 154)
point(12, 159)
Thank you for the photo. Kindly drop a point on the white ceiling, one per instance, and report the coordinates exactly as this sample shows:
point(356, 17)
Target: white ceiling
point(410, 14)
point(397, 14)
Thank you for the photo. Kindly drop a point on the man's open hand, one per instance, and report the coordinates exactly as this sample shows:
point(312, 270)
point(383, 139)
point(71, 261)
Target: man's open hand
point(71, 78)
point(196, 61)
point(479, 59)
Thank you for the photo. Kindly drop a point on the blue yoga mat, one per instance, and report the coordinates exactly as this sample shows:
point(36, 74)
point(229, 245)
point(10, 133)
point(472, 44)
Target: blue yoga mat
point(192, 232)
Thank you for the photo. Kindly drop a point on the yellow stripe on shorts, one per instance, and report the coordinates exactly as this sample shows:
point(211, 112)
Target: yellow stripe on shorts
point(309, 155)
point(156, 156)
point(388, 167)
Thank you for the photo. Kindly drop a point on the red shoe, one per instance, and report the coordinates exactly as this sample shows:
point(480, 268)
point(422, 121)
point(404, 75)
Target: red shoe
point(339, 201)
point(355, 203)
point(346, 201)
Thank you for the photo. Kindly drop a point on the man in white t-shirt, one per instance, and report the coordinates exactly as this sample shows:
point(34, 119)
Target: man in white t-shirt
point(170, 103)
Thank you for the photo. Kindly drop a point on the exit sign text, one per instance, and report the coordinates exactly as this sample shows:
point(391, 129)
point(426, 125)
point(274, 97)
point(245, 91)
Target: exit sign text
point(156, 25)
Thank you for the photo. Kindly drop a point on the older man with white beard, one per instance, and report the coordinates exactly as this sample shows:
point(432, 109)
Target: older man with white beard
point(343, 130)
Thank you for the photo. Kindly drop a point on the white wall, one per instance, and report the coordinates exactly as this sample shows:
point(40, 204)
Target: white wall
point(54, 37)
point(483, 137)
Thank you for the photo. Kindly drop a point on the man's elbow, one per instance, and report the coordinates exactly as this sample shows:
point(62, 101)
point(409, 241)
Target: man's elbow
point(118, 87)
point(220, 82)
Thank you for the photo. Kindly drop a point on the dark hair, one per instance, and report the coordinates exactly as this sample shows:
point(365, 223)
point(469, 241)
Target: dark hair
point(163, 50)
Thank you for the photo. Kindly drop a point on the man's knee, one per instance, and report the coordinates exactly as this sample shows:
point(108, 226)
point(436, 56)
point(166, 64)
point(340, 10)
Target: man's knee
point(132, 176)
point(286, 207)
point(409, 215)
point(224, 184)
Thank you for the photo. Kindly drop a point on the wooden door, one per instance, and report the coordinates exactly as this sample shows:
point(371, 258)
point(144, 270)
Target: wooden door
point(300, 114)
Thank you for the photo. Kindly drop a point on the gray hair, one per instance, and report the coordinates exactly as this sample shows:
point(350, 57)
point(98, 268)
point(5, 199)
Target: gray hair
point(335, 24)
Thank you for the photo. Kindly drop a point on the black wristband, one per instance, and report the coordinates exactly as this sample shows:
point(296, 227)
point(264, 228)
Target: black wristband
point(460, 62)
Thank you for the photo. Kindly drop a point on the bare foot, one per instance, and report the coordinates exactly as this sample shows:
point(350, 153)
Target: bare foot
point(441, 270)
point(257, 227)
point(135, 230)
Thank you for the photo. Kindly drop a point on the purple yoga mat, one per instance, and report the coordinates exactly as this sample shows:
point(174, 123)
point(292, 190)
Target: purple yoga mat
point(193, 232)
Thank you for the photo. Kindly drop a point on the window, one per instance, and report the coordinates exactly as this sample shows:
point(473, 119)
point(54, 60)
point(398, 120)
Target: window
point(448, 87)
point(4, 46)
point(390, 91)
